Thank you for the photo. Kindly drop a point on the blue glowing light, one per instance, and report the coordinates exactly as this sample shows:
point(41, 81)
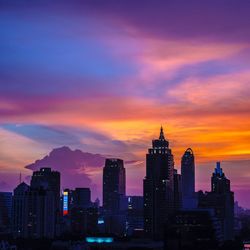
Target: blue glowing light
point(100, 221)
point(99, 239)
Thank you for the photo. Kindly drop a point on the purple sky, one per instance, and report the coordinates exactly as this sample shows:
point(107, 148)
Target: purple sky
point(102, 76)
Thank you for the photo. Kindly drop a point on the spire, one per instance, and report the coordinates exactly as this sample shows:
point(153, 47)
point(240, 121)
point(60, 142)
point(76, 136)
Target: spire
point(218, 169)
point(161, 137)
point(20, 178)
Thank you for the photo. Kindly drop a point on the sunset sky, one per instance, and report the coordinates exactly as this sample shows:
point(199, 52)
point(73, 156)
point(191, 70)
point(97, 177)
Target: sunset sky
point(103, 76)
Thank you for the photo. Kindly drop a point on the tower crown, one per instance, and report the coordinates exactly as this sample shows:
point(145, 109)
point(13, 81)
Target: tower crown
point(218, 170)
point(161, 137)
point(160, 143)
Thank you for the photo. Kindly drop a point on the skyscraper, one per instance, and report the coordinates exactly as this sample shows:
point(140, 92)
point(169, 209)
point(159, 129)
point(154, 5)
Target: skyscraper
point(219, 183)
point(5, 211)
point(134, 221)
point(188, 180)
point(158, 187)
point(20, 211)
point(114, 185)
point(177, 191)
point(114, 191)
point(221, 199)
point(33, 212)
point(49, 180)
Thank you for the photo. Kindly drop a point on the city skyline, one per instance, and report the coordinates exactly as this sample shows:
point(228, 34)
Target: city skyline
point(99, 164)
point(169, 204)
point(102, 78)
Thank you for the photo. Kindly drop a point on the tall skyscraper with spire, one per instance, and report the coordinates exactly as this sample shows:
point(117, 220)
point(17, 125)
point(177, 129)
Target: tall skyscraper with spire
point(219, 182)
point(189, 200)
point(221, 199)
point(158, 187)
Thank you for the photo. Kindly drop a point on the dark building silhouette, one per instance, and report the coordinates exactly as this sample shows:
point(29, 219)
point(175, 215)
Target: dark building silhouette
point(190, 229)
point(189, 200)
point(80, 215)
point(33, 212)
point(177, 191)
point(219, 183)
point(5, 212)
point(84, 220)
point(82, 197)
point(134, 221)
point(221, 199)
point(49, 180)
point(114, 192)
point(20, 211)
point(158, 187)
point(114, 185)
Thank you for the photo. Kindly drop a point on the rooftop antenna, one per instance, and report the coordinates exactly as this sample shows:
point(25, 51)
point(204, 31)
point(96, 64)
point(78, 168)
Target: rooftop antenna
point(20, 178)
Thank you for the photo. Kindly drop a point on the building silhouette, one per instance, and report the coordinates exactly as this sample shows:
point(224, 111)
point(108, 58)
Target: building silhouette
point(114, 185)
point(177, 191)
point(189, 200)
point(190, 229)
point(20, 211)
point(82, 197)
point(219, 183)
point(33, 212)
point(158, 187)
point(134, 220)
point(221, 199)
point(114, 192)
point(80, 216)
point(5, 212)
point(49, 180)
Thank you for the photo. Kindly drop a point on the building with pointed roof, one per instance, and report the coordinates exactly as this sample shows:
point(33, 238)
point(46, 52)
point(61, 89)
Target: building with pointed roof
point(158, 187)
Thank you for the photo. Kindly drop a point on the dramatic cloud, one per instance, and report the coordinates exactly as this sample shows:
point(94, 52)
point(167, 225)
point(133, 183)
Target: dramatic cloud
point(73, 166)
point(102, 76)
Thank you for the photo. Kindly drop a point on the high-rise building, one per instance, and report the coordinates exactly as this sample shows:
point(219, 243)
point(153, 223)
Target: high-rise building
point(20, 211)
point(177, 191)
point(114, 191)
point(80, 215)
point(158, 187)
point(33, 212)
point(219, 183)
point(189, 200)
point(221, 199)
point(49, 180)
point(82, 197)
point(114, 185)
point(134, 221)
point(5, 212)
point(78, 198)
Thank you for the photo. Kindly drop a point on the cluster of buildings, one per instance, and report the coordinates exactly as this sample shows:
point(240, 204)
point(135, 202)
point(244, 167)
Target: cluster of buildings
point(170, 210)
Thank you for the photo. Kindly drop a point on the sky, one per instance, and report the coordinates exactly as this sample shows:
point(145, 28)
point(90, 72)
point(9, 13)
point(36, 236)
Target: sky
point(103, 76)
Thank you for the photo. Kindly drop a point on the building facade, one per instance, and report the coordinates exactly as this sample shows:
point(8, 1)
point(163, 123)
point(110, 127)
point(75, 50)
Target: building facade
point(189, 200)
point(114, 185)
point(158, 186)
point(5, 212)
point(33, 212)
point(177, 191)
point(221, 199)
point(49, 180)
